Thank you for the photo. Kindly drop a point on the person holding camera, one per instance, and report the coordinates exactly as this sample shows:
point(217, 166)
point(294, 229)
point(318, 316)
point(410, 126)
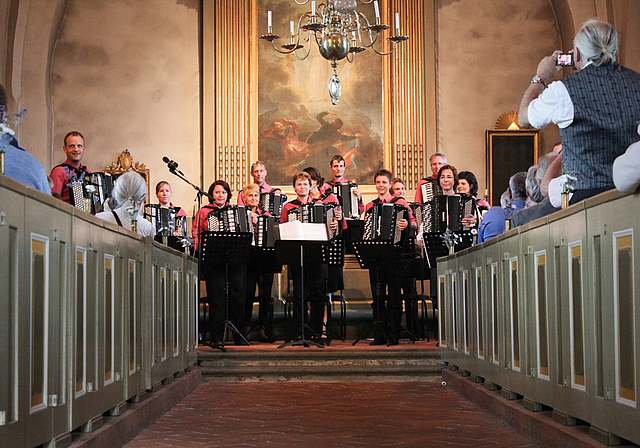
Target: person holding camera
point(595, 108)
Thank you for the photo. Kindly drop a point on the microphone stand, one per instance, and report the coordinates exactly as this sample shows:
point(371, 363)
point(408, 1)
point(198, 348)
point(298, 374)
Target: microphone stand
point(199, 193)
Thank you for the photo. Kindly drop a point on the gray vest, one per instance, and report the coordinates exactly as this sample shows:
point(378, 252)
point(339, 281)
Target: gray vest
point(606, 103)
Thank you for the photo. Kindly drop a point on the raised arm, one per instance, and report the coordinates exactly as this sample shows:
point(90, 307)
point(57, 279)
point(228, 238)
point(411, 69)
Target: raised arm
point(547, 70)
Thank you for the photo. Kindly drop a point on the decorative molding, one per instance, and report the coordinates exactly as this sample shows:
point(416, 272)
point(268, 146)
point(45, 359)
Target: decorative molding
point(126, 163)
point(411, 93)
point(230, 90)
point(507, 121)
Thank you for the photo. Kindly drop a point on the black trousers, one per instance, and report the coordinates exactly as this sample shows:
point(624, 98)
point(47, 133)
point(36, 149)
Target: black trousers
point(264, 282)
point(388, 276)
point(215, 279)
point(315, 287)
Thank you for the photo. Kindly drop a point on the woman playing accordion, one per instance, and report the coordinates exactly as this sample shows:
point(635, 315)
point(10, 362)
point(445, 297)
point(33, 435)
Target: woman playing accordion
point(214, 273)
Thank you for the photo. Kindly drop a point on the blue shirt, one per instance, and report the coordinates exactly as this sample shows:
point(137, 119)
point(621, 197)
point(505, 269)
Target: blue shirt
point(22, 166)
point(493, 221)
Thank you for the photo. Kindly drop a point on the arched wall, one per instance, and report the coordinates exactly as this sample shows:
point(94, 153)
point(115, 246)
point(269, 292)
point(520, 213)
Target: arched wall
point(127, 74)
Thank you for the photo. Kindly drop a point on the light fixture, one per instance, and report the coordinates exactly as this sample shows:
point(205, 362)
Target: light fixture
point(340, 32)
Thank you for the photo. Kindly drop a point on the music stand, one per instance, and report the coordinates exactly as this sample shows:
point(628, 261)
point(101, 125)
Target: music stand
point(370, 254)
point(228, 248)
point(292, 252)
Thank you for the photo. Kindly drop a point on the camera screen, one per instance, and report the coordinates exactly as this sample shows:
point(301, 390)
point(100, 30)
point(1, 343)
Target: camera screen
point(565, 59)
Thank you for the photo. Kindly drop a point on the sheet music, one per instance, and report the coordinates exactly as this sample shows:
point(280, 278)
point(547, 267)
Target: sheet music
point(298, 231)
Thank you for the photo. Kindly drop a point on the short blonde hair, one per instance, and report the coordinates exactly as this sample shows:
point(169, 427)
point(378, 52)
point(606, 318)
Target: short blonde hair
point(249, 188)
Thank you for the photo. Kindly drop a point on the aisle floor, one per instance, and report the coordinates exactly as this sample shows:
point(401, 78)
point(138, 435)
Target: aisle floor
point(255, 414)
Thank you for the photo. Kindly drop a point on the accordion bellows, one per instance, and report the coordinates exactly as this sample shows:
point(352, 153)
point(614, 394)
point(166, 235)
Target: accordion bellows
point(380, 223)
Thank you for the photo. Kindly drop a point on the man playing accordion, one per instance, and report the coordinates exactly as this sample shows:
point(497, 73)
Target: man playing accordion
point(388, 275)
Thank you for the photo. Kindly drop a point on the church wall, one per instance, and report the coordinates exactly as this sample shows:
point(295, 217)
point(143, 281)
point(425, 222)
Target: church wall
point(127, 75)
point(487, 54)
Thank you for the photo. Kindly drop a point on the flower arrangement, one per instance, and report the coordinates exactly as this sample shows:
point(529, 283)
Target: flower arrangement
point(509, 210)
point(568, 183)
point(450, 239)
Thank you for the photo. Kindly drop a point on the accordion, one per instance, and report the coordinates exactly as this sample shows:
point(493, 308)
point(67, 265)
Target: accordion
point(264, 233)
point(348, 199)
point(446, 212)
point(315, 213)
point(381, 223)
point(430, 189)
point(232, 218)
point(165, 221)
point(90, 193)
point(272, 202)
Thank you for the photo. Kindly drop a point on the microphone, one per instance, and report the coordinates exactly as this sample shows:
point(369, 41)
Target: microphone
point(170, 163)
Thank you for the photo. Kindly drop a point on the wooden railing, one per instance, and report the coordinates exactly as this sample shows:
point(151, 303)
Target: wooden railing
point(91, 315)
point(548, 313)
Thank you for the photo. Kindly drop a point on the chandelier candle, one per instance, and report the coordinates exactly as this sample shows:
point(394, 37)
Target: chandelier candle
point(340, 32)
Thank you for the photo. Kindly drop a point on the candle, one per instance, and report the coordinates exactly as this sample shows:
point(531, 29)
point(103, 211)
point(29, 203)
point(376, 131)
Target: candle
point(353, 35)
point(269, 19)
point(291, 27)
point(397, 21)
point(313, 8)
point(375, 5)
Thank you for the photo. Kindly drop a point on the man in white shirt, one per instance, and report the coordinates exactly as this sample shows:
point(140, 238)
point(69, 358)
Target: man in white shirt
point(595, 108)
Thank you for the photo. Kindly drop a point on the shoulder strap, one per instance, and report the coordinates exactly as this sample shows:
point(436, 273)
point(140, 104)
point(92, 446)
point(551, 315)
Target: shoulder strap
point(115, 215)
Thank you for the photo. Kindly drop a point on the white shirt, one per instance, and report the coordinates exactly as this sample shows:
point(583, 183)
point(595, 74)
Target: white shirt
point(552, 106)
point(144, 227)
point(626, 169)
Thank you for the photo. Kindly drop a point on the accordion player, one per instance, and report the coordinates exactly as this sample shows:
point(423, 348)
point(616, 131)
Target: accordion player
point(348, 199)
point(381, 223)
point(317, 212)
point(166, 220)
point(446, 212)
point(428, 189)
point(91, 192)
point(272, 202)
point(231, 218)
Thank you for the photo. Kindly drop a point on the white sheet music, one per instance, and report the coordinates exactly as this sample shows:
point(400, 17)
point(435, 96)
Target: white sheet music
point(298, 231)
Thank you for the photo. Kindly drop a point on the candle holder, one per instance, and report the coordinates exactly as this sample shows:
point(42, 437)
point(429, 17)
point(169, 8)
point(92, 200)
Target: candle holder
point(342, 19)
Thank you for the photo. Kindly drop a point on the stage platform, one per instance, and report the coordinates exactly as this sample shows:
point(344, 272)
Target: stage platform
point(338, 362)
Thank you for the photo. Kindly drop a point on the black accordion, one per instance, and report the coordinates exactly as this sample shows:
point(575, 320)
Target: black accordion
point(264, 232)
point(165, 220)
point(272, 202)
point(318, 212)
point(348, 199)
point(232, 218)
point(430, 189)
point(91, 192)
point(446, 212)
point(381, 223)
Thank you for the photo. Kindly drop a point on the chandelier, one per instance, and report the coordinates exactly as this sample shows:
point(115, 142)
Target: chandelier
point(339, 31)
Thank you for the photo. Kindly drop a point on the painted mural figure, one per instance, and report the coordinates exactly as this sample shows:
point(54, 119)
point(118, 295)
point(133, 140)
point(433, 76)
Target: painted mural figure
point(284, 132)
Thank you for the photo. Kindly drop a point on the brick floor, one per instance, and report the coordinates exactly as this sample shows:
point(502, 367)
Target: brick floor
point(326, 415)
